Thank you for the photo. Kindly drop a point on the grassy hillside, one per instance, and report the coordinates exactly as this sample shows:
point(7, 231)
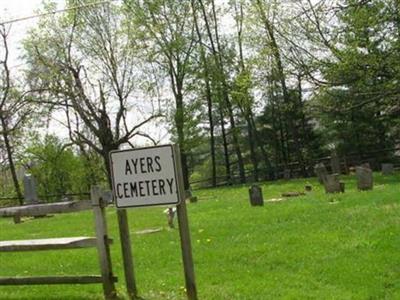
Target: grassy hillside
point(316, 246)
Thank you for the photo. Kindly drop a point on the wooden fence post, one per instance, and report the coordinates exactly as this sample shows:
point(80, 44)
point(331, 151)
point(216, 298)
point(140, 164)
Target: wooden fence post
point(103, 248)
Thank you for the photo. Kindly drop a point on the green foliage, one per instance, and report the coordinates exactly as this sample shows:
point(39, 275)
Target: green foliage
point(241, 92)
point(273, 128)
point(192, 118)
point(310, 76)
point(7, 189)
point(57, 169)
point(360, 104)
point(202, 172)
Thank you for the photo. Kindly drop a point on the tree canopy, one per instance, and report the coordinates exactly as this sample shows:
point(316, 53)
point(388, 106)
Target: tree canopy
point(248, 89)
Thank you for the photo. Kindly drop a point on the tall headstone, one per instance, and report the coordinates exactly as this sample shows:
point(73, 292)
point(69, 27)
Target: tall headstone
point(335, 162)
point(30, 194)
point(321, 172)
point(332, 184)
point(256, 197)
point(387, 169)
point(364, 178)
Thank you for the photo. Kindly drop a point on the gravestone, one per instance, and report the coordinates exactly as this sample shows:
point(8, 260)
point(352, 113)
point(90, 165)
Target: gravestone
point(364, 178)
point(189, 195)
point(30, 194)
point(321, 172)
point(335, 163)
point(387, 169)
point(256, 197)
point(332, 184)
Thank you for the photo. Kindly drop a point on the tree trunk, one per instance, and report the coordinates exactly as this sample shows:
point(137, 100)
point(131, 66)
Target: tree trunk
point(235, 140)
point(7, 143)
point(107, 163)
point(179, 123)
point(209, 99)
point(259, 143)
point(228, 104)
point(283, 139)
point(278, 128)
point(253, 154)
point(225, 145)
point(306, 138)
point(247, 109)
point(287, 101)
point(212, 142)
point(225, 93)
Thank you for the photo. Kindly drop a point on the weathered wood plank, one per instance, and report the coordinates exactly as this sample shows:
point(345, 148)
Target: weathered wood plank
point(48, 244)
point(102, 245)
point(43, 209)
point(52, 280)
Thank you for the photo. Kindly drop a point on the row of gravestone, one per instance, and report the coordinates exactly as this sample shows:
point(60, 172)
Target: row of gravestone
point(364, 176)
point(331, 182)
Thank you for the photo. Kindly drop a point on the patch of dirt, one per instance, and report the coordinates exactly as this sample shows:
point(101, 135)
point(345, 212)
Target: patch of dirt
point(275, 200)
point(293, 194)
point(148, 231)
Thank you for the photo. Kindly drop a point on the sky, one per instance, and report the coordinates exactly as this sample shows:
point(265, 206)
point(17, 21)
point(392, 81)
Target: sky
point(18, 8)
point(15, 9)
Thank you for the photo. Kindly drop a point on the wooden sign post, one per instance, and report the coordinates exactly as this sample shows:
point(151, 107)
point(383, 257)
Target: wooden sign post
point(184, 231)
point(127, 253)
point(153, 176)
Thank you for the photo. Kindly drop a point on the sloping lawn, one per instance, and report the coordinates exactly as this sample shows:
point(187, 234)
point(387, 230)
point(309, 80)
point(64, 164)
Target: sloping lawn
point(317, 246)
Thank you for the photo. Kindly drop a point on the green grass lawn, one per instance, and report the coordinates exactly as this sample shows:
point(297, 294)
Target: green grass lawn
point(342, 246)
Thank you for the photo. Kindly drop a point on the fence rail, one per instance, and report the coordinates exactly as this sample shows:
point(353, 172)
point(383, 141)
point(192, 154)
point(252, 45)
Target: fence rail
point(47, 196)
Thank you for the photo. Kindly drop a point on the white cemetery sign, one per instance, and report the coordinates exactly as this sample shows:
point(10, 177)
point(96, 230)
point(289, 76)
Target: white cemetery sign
point(144, 176)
